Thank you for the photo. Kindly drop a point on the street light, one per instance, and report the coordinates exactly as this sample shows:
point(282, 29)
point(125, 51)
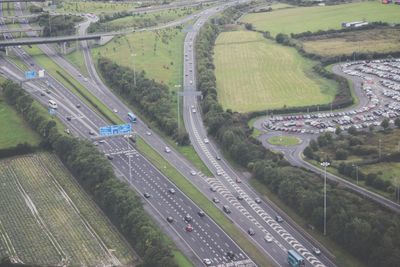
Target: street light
point(325, 164)
point(134, 70)
point(356, 166)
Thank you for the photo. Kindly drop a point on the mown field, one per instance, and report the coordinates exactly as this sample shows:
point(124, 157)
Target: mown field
point(13, 129)
point(47, 219)
point(383, 40)
point(158, 53)
point(301, 19)
point(254, 73)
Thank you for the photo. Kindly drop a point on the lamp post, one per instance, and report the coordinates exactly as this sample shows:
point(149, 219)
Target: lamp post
point(134, 70)
point(356, 166)
point(325, 164)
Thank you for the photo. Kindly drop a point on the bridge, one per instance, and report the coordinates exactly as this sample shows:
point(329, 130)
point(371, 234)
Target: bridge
point(21, 30)
point(13, 1)
point(57, 39)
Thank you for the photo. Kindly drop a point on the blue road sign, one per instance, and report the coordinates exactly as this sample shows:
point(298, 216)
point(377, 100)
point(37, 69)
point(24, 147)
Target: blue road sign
point(116, 129)
point(30, 74)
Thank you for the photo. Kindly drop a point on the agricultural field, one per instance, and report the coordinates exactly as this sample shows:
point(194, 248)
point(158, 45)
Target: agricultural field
point(383, 40)
point(158, 53)
point(16, 130)
point(302, 19)
point(254, 73)
point(47, 219)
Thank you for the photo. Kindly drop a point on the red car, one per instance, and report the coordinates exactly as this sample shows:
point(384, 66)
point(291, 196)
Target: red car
point(189, 228)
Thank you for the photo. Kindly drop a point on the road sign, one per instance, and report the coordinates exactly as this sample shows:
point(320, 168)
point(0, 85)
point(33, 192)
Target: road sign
point(41, 73)
point(121, 129)
point(30, 74)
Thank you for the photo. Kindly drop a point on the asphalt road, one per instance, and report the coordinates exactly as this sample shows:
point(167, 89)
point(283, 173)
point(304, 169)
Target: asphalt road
point(207, 240)
point(259, 217)
point(294, 154)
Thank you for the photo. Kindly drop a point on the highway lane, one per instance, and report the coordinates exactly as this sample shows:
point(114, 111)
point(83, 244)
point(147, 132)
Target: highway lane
point(209, 248)
point(260, 215)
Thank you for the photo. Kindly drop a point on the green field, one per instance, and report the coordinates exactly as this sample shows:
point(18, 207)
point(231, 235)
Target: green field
point(384, 40)
point(95, 7)
point(147, 20)
point(45, 217)
point(158, 53)
point(301, 19)
point(13, 129)
point(254, 73)
point(283, 140)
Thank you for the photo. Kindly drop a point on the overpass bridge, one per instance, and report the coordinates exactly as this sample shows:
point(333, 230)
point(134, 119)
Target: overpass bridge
point(20, 30)
point(57, 39)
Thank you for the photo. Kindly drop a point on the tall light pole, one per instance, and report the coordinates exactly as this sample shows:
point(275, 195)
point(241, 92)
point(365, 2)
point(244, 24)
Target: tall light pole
point(356, 166)
point(134, 70)
point(325, 164)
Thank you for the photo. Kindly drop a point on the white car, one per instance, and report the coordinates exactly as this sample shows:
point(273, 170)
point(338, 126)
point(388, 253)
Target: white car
point(207, 262)
point(194, 110)
point(206, 140)
point(193, 173)
point(167, 149)
point(148, 133)
point(268, 238)
point(219, 173)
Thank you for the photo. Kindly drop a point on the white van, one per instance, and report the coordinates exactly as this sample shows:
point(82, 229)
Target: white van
point(52, 104)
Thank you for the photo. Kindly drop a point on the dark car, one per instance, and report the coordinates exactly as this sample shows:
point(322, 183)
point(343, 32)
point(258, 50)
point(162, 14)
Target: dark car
point(110, 157)
point(188, 218)
point(251, 231)
point(146, 195)
point(257, 200)
point(230, 254)
point(278, 219)
point(226, 209)
point(201, 213)
point(170, 219)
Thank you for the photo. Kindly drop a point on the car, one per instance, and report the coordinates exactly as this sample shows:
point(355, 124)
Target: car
point(316, 251)
point(95, 143)
point(217, 157)
point(219, 173)
point(201, 213)
point(230, 254)
point(239, 197)
point(194, 110)
point(102, 141)
point(207, 262)
point(191, 82)
point(171, 191)
point(206, 140)
point(110, 157)
point(188, 218)
point(193, 173)
point(278, 219)
point(78, 105)
point(69, 118)
point(85, 79)
point(226, 209)
point(67, 131)
point(115, 110)
point(189, 228)
point(215, 199)
point(48, 91)
point(91, 132)
point(251, 231)
point(213, 189)
point(42, 93)
point(146, 195)
point(268, 238)
point(170, 219)
point(238, 180)
point(148, 133)
point(257, 200)
point(167, 149)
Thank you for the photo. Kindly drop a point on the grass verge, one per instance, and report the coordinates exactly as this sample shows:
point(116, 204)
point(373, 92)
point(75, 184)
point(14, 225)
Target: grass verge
point(283, 140)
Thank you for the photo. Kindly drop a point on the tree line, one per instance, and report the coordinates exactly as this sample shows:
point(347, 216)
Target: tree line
point(58, 25)
point(150, 97)
point(95, 174)
point(365, 229)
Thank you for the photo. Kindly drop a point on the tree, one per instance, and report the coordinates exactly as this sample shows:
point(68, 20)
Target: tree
point(385, 123)
point(397, 122)
point(352, 130)
point(248, 26)
point(308, 152)
point(341, 154)
point(338, 130)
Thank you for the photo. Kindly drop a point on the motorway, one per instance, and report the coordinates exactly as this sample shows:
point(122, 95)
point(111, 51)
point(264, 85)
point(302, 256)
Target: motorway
point(207, 240)
point(246, 214)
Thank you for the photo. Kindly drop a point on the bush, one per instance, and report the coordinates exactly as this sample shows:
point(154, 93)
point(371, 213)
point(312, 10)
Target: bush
point(341, 154)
